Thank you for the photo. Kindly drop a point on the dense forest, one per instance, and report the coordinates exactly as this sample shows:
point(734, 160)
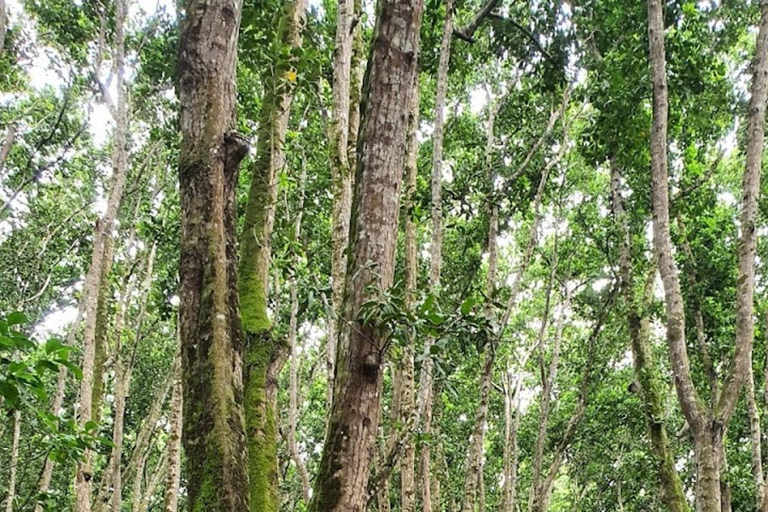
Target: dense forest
point(385, 256)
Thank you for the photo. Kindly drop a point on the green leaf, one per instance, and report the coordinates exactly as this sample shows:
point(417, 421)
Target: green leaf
point(467, 305)
point(17, 318)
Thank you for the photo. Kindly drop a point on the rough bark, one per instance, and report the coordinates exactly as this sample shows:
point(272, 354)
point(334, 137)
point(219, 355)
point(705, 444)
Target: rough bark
point(173, 480)
point(84, 472)
point(265, 354)
point(475, 453)
point(646, 373)
point(211, 335)
point(707, 425)
point(342, 479)
point(756, 441)
point(10, 499)
point(341, 174)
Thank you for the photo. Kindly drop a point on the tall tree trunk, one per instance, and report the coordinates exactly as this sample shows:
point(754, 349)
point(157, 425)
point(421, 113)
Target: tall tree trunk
point(707, 426)
point(425, 377)
point(211, 335)
point(511, 420)
point(265, 355)
point(84, 473)
point(3, 31)
point(341, 173)
point(342, 479)
point(646, 374)
point(295, 362)
point(756, 441)
point(408, 399)
point(10, 499)
point(173, 480)
point(475, 453)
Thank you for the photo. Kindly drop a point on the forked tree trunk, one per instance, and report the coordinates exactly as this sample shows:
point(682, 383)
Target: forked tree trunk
point(342, 480)
point(707, 425)
point(211, 335)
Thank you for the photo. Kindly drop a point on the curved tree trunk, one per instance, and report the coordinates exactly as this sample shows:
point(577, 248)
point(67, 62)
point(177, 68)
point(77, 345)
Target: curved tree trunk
point(342, 480)
point(265, 355)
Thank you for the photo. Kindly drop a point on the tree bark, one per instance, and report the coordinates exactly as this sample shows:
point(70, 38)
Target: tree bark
point(707, 426)
point(341, 173)
point(408, 399)
point(10, 133)
point(210, 326)
point(3, 31)
point(646, 374)
point(425, 376)
point(756, 442)
point(295, 362)
point(173, 480)
point(11, 497)
point(84, 472)
point(265, 354)
point(342, 479)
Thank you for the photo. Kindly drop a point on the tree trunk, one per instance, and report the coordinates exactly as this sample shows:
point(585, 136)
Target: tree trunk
point(10, 133)
point(84, 473)
point(756, 442)
point(425, 377)
point(11, 497)
point(3, 31)
point(211, 336)
point(408, 399)
point(173, 480)
point(342, 479)
point(295, 362)
point(511, 420)
point(646, 374)
point(341, 174)
point(707, 426)
point(475, 453)
point(265, 355)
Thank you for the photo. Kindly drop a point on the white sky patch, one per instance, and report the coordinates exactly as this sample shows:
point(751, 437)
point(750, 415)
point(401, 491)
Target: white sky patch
point(478, 99)
point(54, 323)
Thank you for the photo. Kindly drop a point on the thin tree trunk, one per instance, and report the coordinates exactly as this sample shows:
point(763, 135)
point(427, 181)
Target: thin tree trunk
point(511, 417)
point(84, 473)
point(173, 480)
point(10, 133)
point(3, 31)
point(475, 453)
point(646, 373)
point(342, 481)
point(425, 377)
point(11, 497)
point(210, 326)
point(408, 399)
point(756, 442)
point(295, 362)
point(141, 503)
point(265, 354)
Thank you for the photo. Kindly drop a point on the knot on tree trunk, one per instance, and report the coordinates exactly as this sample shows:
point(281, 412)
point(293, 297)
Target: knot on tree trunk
point(237, 147)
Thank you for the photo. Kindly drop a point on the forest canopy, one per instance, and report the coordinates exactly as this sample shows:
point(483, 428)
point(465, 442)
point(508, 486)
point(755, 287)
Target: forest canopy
point(383, 255)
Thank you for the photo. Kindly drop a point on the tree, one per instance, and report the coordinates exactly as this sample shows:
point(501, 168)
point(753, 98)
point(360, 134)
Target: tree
point(211, 333)
point(343, 476)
